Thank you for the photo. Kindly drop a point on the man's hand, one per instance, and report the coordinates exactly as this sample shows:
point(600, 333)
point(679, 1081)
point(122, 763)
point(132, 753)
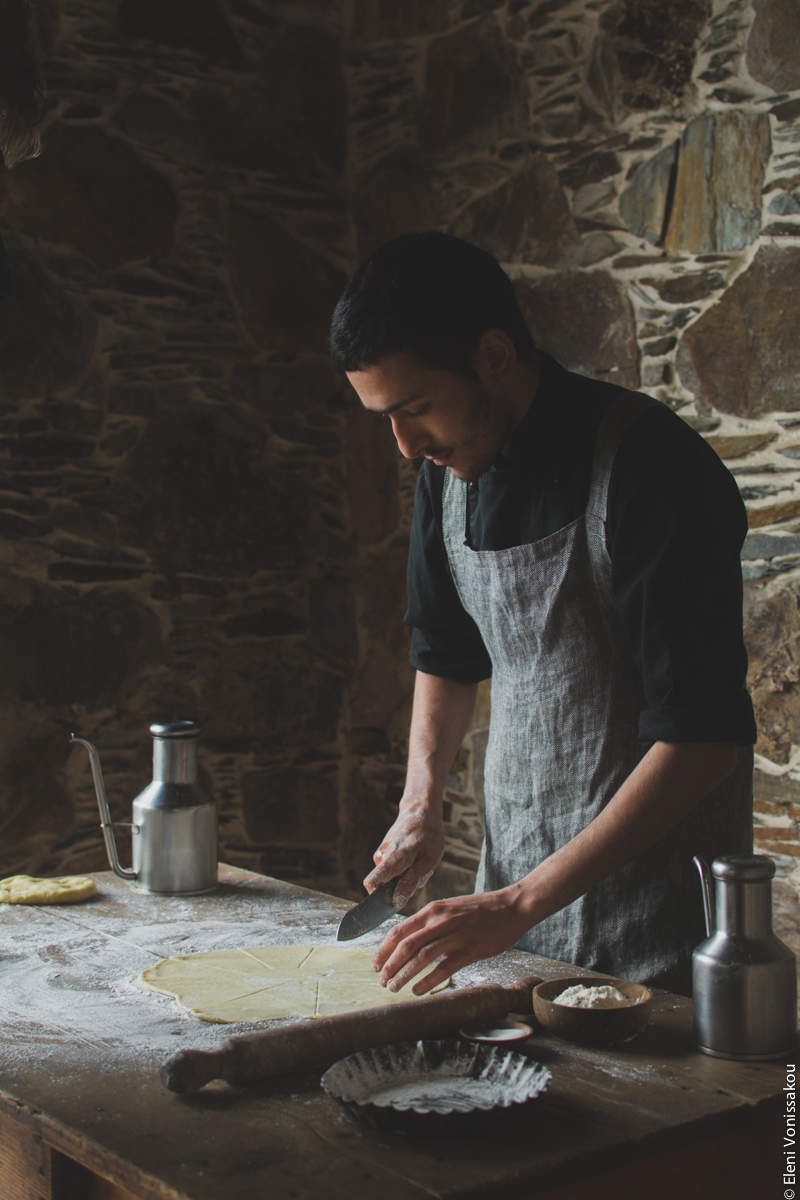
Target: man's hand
point(12, 190)
point(413, 848)
point(455, 932)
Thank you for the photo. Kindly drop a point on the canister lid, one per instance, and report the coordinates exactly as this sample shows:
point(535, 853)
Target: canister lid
point(743, 868)
point(175, 729)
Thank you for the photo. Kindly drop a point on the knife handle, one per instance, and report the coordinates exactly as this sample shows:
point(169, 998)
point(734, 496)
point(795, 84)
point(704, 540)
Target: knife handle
point(293, 1047)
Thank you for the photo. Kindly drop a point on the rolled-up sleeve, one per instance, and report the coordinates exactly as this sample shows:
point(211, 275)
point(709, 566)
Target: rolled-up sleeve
point(445, 640)
point(675, 532)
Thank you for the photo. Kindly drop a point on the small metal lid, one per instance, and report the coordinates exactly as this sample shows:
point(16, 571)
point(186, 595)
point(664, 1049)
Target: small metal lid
point(743, 868)
point(175, 729)
point(498, 1032)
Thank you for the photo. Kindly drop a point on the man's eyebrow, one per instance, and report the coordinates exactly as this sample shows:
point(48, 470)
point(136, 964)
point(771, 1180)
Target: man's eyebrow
point(384, 412)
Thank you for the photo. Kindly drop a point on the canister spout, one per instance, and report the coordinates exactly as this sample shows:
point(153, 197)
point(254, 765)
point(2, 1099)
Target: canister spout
point(106, 824)
point(709, 905)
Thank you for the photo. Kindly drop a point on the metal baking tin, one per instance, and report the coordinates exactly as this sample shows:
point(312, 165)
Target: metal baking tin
point(434, 1087)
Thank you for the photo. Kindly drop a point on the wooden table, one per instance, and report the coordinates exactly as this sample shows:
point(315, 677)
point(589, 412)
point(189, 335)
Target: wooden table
point(85, 1117)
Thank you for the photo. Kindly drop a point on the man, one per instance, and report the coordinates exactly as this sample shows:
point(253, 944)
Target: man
point(580, 544)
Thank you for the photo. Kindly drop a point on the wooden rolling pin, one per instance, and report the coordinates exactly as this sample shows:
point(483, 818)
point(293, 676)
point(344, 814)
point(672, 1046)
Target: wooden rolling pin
point(292, 1047)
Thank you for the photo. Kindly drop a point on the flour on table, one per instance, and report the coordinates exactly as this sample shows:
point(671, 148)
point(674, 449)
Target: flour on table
point(265, 983)
point(603, 996)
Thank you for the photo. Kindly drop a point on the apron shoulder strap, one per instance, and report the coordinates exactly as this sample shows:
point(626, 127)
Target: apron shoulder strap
point(621, 413)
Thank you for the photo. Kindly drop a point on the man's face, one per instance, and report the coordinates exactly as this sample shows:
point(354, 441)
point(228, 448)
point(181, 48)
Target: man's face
point(446, 418)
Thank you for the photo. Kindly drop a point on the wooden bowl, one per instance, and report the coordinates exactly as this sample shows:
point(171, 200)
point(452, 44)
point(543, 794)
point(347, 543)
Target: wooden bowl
point(592, 1026)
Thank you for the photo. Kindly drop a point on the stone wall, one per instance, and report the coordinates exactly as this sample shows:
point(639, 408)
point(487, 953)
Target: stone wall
point(198, 519)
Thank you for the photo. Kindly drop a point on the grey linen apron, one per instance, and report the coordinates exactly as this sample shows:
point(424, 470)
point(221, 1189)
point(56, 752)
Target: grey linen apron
point(566, 698)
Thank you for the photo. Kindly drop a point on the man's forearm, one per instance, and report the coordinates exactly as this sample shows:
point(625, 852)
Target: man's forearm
point(440, 719)
point(413, 846)
point(669, 781)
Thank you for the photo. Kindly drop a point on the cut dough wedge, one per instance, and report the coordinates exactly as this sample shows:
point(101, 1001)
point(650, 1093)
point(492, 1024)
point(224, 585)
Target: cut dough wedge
point(265, 983)
point(63, 889)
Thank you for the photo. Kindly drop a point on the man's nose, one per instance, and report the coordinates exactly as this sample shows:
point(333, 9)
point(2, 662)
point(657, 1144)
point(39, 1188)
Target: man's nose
point(411, 442)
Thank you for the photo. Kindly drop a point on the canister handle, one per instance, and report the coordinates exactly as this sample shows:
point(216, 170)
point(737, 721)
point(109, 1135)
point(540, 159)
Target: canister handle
point(709, 903)
point(106, 824)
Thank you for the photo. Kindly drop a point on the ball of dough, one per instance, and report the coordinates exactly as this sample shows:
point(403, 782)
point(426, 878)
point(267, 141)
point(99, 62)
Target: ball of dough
point(63, 889)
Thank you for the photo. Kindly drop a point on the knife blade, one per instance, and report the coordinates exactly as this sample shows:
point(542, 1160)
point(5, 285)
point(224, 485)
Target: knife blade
point(370, 913)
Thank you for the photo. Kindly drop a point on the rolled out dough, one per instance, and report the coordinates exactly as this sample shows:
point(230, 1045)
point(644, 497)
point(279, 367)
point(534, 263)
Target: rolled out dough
point(63, 889)
point(263, 983)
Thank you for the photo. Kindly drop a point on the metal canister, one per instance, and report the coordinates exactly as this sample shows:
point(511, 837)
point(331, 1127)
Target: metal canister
point(174, 828)
point(176, 846)
point(744, 978)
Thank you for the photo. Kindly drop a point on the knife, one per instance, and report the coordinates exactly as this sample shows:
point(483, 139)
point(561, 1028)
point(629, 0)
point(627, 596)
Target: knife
point(370, 913)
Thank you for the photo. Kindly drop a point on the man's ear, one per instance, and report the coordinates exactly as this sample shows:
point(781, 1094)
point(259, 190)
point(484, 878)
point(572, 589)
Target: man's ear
point(496, 355)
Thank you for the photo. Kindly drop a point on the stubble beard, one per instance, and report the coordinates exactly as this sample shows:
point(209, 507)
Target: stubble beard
point(490, 427)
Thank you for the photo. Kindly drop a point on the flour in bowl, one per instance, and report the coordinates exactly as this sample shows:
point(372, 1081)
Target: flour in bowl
point(603, 996)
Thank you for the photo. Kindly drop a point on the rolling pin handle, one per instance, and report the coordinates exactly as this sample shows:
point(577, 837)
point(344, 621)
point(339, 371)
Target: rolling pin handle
point(189, 1070)
point(521, 994)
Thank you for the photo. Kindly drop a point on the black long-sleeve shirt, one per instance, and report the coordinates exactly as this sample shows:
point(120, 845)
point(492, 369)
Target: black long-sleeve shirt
point(675, 528)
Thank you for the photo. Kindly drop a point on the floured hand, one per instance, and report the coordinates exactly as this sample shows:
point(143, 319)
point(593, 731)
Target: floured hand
point(412, 848)
point(452, 933)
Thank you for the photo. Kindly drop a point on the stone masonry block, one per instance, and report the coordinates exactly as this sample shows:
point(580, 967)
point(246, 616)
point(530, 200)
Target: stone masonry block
point(703, 193)
point(525, 220)
point(196, 495)
point(772, 638)
point(293, 118)
point(475, 90)
point(199, 25)
point(743, 354)
point(63, 649)
point(371, 477)
point(717, 203)
point(393, 197)
point(773, 48)
point(644, 53)
point(46, 336)
point(94, 193)
point(386, 20)
point(643, 204)
point(585, 320)
point(291, 805)
point(286, 290)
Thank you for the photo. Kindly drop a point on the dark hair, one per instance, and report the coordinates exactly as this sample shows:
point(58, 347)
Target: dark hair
point(430, 295)
point(21, 83)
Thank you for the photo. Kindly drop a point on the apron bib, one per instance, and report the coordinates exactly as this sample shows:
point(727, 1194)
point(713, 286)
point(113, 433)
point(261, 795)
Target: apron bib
point(566, 698)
